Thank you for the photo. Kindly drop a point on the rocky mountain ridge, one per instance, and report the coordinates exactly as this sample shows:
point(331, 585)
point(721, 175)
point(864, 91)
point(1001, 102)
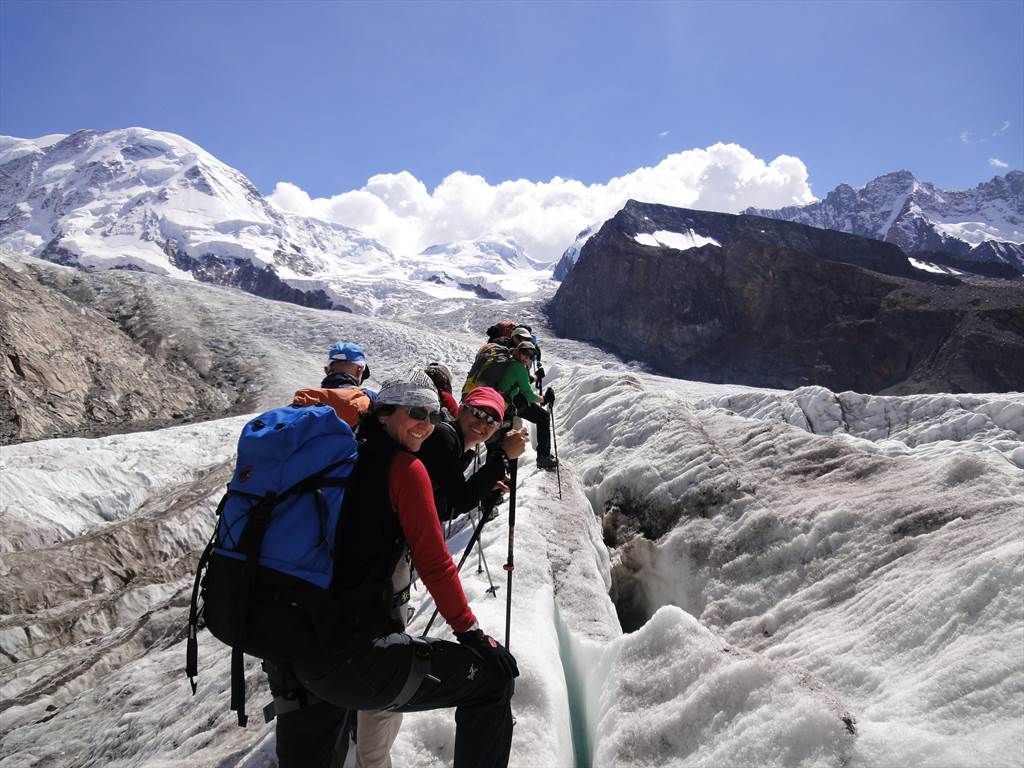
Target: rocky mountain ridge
point(766, 302)
point(75, 366)
point(978, 230)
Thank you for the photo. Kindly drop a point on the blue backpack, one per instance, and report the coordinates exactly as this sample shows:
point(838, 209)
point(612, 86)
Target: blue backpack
point(265, 577)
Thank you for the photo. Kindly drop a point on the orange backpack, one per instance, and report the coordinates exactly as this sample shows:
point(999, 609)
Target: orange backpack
point(348, 402)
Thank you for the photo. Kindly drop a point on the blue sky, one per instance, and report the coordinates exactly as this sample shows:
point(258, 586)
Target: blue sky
point(325, 95)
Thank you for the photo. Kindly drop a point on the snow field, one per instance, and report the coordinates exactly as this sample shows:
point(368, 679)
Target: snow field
point(907, 606)
point(676, 695)
point(681, 241)
point(780, 576)
point(54, 490)
point(935, 425)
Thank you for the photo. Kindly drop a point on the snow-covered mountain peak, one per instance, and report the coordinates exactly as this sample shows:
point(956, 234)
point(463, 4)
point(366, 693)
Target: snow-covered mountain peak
point(983, 225)
point(142, 199)
point(148, 200)
point(572, 253)
point(903, 177)
point(492, 266)
point(11, 147)
point(493, 248)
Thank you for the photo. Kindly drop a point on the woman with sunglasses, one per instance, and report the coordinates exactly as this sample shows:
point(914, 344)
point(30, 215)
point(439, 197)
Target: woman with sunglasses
point(389, 518)
point(448, 452)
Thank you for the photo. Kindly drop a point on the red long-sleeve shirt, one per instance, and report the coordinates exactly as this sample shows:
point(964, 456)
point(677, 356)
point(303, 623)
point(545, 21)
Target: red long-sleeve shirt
point(448, 401)
point(412, 497)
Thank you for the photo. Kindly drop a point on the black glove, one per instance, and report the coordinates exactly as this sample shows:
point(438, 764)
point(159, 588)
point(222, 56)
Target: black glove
point(549, 396)
point(540, 372)
point(491, 651)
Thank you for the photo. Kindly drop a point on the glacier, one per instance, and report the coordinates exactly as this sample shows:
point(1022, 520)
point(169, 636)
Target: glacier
point(733, 576)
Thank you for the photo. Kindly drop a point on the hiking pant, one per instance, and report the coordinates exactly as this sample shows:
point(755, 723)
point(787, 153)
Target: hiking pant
point(536, 413)
point(313, 733)
point(374, 672)
point(315, 736)
point(309, 737)
point(376, 731)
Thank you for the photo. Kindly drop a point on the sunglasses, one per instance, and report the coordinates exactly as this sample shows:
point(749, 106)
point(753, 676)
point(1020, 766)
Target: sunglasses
point(421, 413)
point(484, 416)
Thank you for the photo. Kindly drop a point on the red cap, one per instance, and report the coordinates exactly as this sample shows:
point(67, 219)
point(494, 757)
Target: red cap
point(485, 397)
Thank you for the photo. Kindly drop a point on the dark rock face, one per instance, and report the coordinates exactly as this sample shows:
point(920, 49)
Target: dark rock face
point(480, 291)
point(246, 276)
point(639, 218)
point(786, 305)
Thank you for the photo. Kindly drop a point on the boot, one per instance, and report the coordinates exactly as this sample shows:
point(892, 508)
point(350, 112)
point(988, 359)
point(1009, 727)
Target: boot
point(546, 461)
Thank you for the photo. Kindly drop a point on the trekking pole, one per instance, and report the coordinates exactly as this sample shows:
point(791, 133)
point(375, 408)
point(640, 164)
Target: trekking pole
point(510, 565)
point(554, 444)
point(479, 547)
point(465, 554)
point(481, 557)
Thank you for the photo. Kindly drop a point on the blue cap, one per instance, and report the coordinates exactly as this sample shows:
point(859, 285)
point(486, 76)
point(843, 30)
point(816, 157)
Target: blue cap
point(348, 351)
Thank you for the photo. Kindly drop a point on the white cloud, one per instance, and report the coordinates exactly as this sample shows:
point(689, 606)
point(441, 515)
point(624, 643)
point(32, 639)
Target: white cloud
point(995, 162)
point(965, 137)
point(545, 216)
point(1002, 129)
point(663, 134)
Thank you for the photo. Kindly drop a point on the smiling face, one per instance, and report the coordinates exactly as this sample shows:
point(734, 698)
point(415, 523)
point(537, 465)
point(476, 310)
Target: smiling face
point(475, 429)
point(404, 429)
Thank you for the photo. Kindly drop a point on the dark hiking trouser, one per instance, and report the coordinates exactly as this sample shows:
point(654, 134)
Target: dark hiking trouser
point(314, 733)
point(536, 413)
point(371, 674)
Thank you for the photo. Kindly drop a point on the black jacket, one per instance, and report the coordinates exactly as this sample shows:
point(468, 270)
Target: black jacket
point(445, 456)
point(369, 542)
point(338, 380)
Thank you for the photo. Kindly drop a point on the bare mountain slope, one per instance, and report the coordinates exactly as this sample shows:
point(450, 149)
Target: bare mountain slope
point(69, 369)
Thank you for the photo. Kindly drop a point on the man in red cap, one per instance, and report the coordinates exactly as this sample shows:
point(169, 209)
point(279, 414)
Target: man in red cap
point(448, 452)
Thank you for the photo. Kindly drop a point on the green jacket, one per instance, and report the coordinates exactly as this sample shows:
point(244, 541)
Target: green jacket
point(516, 381)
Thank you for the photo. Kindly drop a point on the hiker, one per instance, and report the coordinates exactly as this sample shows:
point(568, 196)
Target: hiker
point(522, 333)
point(448, 452)
point(442, 378)
point(501, 332)
point(517, 389)
point(346, 366)
point(342, 388)
point(388, 519)
point(525, 333)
